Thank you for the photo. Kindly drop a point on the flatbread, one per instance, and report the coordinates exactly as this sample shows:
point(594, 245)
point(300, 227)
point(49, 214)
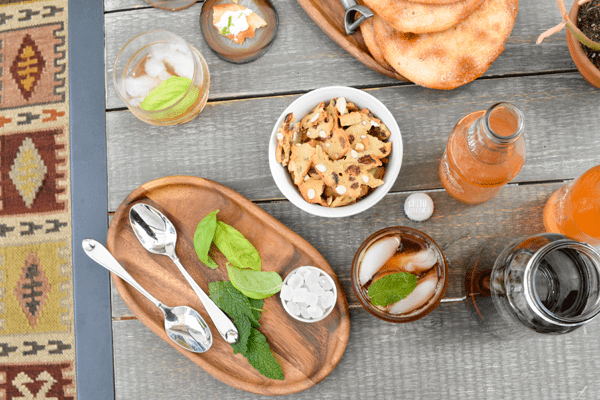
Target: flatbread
point(254, 21)
point(451, 58)
point(366, 29)
point(408, 16)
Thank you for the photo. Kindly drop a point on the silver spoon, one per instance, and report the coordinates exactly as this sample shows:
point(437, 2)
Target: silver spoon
point(158, 235)
point(182, 324)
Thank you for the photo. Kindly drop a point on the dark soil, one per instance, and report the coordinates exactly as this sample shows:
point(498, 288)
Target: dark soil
point(588, 20)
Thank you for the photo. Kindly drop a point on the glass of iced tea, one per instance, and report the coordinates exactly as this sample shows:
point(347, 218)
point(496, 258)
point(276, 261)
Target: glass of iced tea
point(162, 79)
point(399, 274)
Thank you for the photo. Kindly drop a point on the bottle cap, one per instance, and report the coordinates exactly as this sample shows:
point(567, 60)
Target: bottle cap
point(418, 207)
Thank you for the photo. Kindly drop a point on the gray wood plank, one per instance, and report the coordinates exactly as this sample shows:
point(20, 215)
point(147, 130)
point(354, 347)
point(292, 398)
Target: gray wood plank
point(442, 356)
point(465, 233)
point(303, 57)
point(228, 142)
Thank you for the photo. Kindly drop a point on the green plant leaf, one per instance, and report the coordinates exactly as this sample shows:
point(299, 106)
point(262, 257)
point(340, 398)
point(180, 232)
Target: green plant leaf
point(255, 284)
point(203, 238)
point(169, 92)
point(232, 301)
point(259, 355)
point(244, 327)
point(392, 288)
point(238, 250)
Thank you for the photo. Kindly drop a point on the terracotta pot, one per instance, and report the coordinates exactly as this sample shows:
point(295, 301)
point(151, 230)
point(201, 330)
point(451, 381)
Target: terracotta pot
point(588, 70)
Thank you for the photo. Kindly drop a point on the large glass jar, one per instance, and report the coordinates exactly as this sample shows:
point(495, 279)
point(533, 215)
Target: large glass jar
point(485, 151)
point(545, 284)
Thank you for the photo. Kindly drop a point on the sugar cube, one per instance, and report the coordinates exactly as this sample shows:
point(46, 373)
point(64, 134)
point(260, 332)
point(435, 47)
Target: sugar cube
point(316, 289)
point(295, 281)
point(311, 299)
point(304, 312)
point(312, 277)
point(300, 295)
point(293, 307)
point(327, 300)
point(315, 311)
point(325, 283)
point(286, 292)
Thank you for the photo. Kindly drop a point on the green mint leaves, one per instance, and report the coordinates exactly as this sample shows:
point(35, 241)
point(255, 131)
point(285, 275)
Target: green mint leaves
point(244, 267)
point(203, 238)
point(238, 250)
point(245, 313)
point(255, 284)
point(169, 92)
point(392, 288)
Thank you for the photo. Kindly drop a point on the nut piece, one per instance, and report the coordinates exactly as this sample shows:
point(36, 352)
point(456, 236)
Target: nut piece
point(340, 189)
point(321, 168)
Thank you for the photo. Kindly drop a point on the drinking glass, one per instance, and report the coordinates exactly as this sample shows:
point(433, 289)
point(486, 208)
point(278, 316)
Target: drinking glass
point(162, 79)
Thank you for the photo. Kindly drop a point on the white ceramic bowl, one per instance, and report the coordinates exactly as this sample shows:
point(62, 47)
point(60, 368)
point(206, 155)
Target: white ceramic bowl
point(302, 106)
point(327, 311)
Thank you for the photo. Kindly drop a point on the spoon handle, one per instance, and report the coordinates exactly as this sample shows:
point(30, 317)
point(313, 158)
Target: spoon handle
point(223, 324)
point(102, 256)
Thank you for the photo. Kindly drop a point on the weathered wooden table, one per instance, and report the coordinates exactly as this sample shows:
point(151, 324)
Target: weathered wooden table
point(444, 355)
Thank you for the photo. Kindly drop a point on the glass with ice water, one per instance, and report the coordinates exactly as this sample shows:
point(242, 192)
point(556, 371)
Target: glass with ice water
point(162, 79)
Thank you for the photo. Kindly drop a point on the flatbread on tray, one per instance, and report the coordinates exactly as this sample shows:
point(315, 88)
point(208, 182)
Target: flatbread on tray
point(448, 59)
point(408, 16)
point(366, 29)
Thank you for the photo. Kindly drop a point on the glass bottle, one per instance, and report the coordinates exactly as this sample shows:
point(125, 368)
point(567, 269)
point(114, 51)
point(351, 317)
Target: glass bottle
point(545, 283)
point(485, 150)
point(574, 209)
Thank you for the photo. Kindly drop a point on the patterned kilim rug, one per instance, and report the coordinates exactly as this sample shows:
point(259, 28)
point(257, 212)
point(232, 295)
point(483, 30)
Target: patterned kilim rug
point(37, 339)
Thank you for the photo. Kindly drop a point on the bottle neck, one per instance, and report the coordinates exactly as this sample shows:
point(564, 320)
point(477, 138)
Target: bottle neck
point(492, 136)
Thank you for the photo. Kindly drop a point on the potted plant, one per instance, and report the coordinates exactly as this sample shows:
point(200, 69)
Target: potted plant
point(576, 38)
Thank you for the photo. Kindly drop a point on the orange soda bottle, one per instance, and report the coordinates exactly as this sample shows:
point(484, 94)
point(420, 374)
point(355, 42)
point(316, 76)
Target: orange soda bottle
point(574, 209)
point(485, 150)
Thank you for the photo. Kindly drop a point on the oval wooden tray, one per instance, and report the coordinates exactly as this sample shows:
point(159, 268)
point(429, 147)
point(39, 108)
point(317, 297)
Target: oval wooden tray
point(329, 16)
point(307, 352)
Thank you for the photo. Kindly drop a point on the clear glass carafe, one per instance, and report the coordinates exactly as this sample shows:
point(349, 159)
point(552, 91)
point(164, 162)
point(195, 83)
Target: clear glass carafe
point(485, 150)
point(546, 283)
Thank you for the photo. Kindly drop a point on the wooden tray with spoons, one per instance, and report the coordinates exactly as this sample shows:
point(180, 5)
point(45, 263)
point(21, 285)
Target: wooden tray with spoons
point(306, 352)
point(329, 16)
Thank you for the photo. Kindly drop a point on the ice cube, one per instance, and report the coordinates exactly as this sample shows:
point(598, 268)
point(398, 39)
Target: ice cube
point(295, 281)
point(136, 101)
point(180, 47)
point(312, 277)
point(293, 307)
point(163, 76)
point(160, 51)
point(300, 295)
point(325, 283)
point(304, 312)
point(312, 299)
point(286, 292)
point(154, 67)
point(315, 311)
point(140, 87)
point(316, 289)
point(327, 300)
point(182, 64)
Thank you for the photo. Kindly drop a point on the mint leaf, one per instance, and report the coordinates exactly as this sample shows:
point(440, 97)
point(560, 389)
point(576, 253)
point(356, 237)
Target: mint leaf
point(252, 344)
point(392, 288)
point(232, 301)
point(259, 355)
point(238, 250)
point(255, 284)
point(244, 328)
point(203, 238)
point(169, 92)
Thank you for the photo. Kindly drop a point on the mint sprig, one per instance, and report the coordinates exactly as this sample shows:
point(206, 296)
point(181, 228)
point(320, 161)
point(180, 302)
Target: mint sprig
point(205, 231)
point(245, 313)
point(392, 288)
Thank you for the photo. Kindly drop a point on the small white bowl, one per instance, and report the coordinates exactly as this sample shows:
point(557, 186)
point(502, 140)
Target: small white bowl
point(326, 311)
point(302, 106)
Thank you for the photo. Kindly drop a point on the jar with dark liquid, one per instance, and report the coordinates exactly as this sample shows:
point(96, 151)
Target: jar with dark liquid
point(545, 284)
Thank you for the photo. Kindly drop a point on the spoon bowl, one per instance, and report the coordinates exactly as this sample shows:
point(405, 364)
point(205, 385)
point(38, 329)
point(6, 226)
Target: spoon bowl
point(158, 235)
point(183, 324)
